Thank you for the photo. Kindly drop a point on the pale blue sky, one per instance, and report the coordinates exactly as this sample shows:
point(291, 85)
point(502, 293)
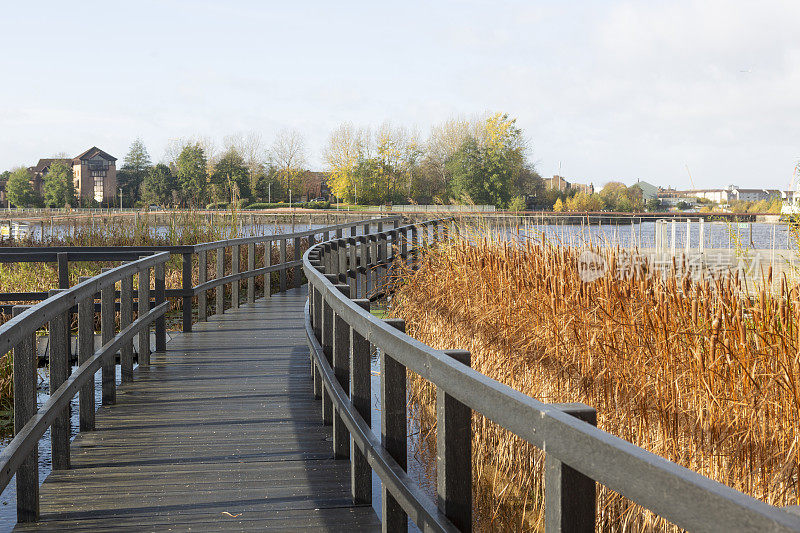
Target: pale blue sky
point(605, 90)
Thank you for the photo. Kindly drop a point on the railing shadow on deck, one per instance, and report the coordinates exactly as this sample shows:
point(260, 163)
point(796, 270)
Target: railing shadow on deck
point(341, 332)
point(20, 456)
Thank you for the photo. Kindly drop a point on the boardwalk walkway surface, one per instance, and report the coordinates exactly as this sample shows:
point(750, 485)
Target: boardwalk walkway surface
point(221, 432)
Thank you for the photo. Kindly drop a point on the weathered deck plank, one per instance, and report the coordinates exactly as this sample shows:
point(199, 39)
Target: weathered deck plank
point(221, 432)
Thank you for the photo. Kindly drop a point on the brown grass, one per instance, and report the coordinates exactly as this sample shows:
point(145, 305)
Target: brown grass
point(703, 373)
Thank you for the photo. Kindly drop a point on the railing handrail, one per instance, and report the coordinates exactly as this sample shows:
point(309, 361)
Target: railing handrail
point(682, 496)
point(35, 317)
point(13, 332)
point(55, 311)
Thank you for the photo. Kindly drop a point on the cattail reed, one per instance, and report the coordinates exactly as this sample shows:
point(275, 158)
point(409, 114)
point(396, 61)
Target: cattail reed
point(705, 373)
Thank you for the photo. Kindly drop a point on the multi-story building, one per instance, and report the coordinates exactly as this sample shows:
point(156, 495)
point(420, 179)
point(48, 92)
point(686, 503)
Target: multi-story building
point(94, 174)
point(561, 184)
point(732, 192)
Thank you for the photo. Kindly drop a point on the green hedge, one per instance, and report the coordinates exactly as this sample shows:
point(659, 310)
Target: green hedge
point(304, 205)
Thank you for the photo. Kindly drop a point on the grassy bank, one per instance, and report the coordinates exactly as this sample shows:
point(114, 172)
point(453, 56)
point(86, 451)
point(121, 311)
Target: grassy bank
point(705, 373)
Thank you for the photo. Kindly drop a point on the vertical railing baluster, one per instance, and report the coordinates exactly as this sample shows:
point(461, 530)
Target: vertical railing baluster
point(186, 286)
point(268, 262)
point(360, 383)
point(341, 370)
point(25, 363)
point(327, 348)
point(219, 292)
point(282, 262)
point(125, 319)
point(341, 252)
point(570, 497)
point(352, 274)
point(143, 308)
point(454, 454)
point(107, 332)
point(86, 405)
point(318, 334)
point(63, 270)
point(63, 283)
point(202, 275)
point(297, 272)
point(394, 430)
point(59, 371)
point(414, 244)
point(159, 273)
point(236, 252)
point(251, 280)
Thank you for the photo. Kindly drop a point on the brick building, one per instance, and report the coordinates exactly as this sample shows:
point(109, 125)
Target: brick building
point(94, 174)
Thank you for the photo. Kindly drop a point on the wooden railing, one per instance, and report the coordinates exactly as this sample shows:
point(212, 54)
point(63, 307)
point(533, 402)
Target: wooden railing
point(341, 332)
point(20, 456)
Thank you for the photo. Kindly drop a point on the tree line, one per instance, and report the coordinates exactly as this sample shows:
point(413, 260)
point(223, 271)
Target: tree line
point(481, 160)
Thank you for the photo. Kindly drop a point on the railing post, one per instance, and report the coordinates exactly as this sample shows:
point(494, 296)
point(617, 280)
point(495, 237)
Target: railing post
point(219, 292)
point(107, 332)
point(86, 407)
point(25, 362)
point(236, 255)
point(374, 258)
point(202, 275)
point(352, 274)
point(327, 348)
point(318, 334)
point(341, 369)
point(59, 371)
point(63, 270)
point(454, 454)
point(360, 383)
point(297, 272)
point(125, 319)
point(282, 262)
point(570, 497)
point(186, 286)
point(251, 280)
point(341, 257)
point(159, 272)
point(414, 244)
point(326, 257)
point(63, 283)
point(143, 309)
point(394, 430)
point(268, 275)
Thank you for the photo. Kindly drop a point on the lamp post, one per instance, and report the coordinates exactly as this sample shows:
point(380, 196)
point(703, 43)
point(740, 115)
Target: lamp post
point(120, 198)
point(269, 192)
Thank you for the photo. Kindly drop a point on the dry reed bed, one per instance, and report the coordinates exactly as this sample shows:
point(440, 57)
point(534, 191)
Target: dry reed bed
point(704, 373)
point(183, 228)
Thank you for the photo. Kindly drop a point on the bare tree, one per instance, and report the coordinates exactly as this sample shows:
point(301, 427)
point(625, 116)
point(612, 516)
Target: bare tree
point(288, 153)
point(251, 147)
point(346, 145)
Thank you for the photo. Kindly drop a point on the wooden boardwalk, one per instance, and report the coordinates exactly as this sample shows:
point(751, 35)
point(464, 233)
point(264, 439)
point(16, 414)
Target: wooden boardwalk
point(221, 432)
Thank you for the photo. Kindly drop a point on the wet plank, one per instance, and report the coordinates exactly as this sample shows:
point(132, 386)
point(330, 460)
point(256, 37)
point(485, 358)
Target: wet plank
point(221, 432)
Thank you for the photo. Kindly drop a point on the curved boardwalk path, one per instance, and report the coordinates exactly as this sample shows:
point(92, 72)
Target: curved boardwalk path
point(221, 432)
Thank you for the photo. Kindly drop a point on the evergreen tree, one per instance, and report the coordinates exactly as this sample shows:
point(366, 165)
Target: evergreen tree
point(191, 173)
point(135, 168)
point(59, 189)
point(231, 175)
point(158, 185)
